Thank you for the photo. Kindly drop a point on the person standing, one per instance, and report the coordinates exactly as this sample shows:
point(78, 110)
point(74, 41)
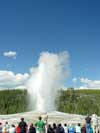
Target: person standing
point(23, 126)
point(71, 129)
point(50, 129)
point(0, 127)
point(83, 128)
point(12, 129)
point(88, 124)
point(54, 127)
point(95, 123)
point(60, 129)
point(78, 128)
point(32, 129)
point(46, 122)
point(40, 125)
point(18, 129)
point(5, 128)
point(65, 128)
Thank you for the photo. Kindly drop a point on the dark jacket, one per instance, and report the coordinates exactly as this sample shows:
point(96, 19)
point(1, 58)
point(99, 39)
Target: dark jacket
point(32, 130)
point(88, 120)
point(23, 127)
point(50, 130)
point(60, 130)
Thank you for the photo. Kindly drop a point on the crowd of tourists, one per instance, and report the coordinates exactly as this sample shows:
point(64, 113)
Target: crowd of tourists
point(40, 126)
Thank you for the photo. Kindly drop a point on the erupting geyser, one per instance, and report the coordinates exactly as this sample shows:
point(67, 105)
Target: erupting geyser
point(46, 79)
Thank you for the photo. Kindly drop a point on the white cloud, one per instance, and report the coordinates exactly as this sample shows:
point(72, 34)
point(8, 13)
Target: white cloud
point(10, 80)
point(74, 80)
point(10, 54)
point(92, 84)
point(83, 87)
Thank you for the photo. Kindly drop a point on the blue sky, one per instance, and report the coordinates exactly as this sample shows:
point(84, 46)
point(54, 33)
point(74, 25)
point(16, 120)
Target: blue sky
point(32, 26)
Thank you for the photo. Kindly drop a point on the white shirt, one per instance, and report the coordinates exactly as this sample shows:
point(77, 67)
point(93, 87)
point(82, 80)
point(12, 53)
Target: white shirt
point(94, 119)
point(12, 130)
point(65, 129)
point(78, 129)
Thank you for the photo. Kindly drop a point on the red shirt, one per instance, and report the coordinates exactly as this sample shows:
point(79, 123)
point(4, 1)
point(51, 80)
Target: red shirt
point(17, 129)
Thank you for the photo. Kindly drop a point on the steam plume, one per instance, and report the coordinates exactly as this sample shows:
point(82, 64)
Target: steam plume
point(46, 79)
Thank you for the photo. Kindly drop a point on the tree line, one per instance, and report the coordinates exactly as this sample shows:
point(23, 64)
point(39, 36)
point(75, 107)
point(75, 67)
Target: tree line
point(13, 101)
point(69, 101)
point(79, 101)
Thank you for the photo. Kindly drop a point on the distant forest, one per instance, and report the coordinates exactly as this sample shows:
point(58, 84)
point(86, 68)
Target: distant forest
point(13, 101)
point(69, 101)
point(79, 101)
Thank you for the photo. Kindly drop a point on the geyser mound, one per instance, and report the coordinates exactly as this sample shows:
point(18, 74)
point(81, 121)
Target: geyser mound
point(46, 79)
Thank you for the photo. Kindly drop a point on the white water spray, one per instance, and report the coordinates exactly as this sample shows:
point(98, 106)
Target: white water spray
point(46, 79)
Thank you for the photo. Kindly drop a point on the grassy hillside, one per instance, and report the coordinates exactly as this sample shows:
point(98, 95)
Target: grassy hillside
point(70, 101)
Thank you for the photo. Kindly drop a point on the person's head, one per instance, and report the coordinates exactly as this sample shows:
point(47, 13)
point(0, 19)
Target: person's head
point(40, 118)
point(22, 119)
point(83, 125)
point(31, 125)
point(6, 122)
point(49, 126)
point(13, 125)
point(59, 125)
point(94, 115)
point(54, 125)
point(79, 124)
point(65, 124)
